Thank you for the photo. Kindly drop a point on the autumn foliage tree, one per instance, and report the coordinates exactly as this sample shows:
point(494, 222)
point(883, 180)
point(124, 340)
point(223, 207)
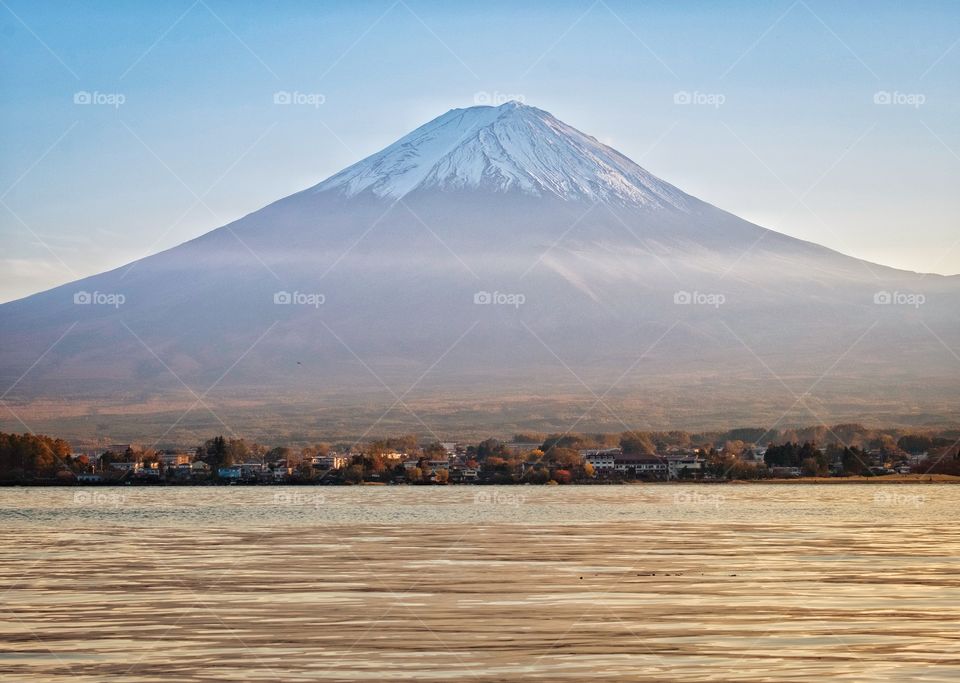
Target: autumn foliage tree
point(32, 455)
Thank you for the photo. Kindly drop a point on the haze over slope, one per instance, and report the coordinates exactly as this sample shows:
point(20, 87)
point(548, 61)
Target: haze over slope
point(495, 256)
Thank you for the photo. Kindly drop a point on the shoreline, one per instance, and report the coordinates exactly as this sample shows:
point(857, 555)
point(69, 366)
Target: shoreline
point(890, 479)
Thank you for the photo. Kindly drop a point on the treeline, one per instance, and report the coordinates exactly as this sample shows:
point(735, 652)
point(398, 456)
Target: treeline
point(29, 456)
point(849, 434)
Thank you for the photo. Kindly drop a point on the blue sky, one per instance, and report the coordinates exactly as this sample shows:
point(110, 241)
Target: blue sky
point(832, 122)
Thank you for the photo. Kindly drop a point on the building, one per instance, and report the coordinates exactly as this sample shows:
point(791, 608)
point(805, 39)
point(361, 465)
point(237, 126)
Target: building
point(233, 473)
point(330, 461)
point(175, 458)
point(126, 466)
point(785, 472)
point(602, 460)
point(645, 466)
point(683, 465)
point(149, 470)
point(431, 466)
point(464, 474)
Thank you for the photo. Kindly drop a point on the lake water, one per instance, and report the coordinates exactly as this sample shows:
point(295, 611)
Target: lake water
point(647, 582)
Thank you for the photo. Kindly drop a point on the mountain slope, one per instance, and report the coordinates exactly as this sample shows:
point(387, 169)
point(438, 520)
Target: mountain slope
point(493, 256)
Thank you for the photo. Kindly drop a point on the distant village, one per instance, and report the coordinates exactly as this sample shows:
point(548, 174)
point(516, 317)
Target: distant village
point(550, 459)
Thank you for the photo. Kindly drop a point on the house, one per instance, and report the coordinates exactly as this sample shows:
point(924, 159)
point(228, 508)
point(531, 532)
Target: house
point(233, 473)
point(87, 478)
point(149, 470)
point(602, 460)
point(464, 474)
point(252, 470)
point(677, 464)
point(126, 466)
point(175, 458)
point(180, 471)
point(785, 472)
point(431, 466)
point(330, 461)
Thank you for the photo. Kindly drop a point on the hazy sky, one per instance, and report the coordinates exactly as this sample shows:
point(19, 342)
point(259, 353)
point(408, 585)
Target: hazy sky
point(833, 122)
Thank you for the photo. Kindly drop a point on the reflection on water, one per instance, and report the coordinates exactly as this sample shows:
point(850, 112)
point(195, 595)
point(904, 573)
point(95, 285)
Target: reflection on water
point(747, 583)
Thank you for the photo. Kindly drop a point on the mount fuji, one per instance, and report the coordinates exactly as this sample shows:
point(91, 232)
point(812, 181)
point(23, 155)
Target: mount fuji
point(494, 269)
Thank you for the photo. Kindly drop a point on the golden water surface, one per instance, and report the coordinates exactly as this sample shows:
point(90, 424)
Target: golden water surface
point(696, 583)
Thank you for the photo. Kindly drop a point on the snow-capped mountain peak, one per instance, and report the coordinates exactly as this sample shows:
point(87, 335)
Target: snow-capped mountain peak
point(513, 147)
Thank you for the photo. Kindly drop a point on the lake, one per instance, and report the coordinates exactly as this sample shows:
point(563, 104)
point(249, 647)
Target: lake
point(750, 582)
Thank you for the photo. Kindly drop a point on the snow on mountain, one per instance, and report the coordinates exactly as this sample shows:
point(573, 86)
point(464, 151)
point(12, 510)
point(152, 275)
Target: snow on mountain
point(510, 147)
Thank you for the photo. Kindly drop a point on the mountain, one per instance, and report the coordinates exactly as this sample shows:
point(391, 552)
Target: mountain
point(496, 269)
point(500, 149)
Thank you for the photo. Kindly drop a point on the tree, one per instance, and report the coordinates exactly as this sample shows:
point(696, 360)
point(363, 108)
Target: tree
point(853, 461)
point(637, 443)
point(354, 474)
point(734, 448)
point(916, 443)
point(32, 455)
point(489, 448)
point(280, 453)
point(571, 441)
point(563, 457)
point(216, 454)
point(434, 451)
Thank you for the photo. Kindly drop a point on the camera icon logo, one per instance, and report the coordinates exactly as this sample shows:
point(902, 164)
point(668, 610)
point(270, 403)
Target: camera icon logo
point(882, 97)
point(281, 97)
point(481, 97)
point(282, 298)
point(681, 97)
point(482, 498)
point(82, 97)
point(882, 298)
point(482, 298)
point(82, 297)
point(682, 297)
